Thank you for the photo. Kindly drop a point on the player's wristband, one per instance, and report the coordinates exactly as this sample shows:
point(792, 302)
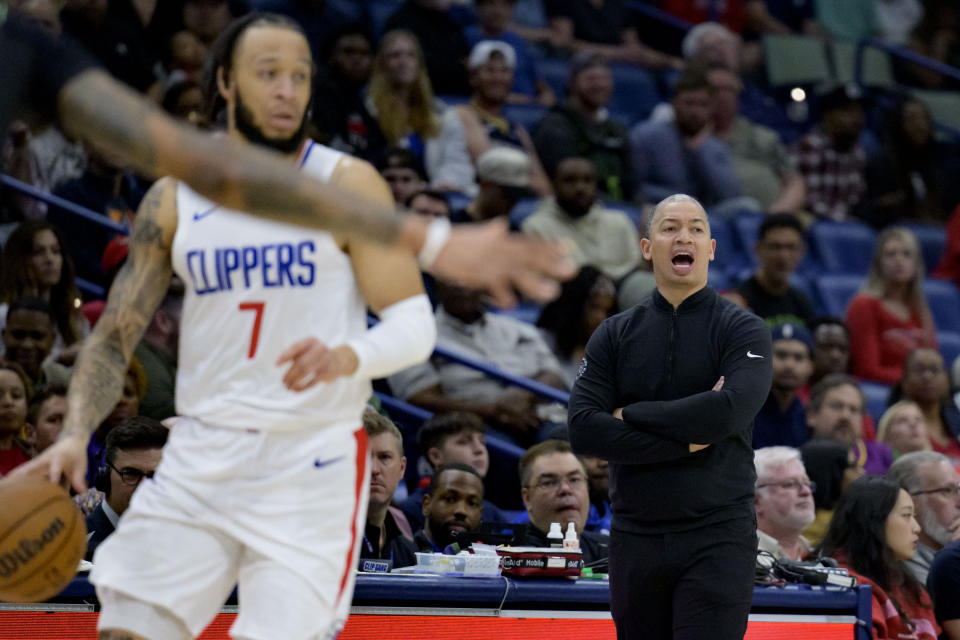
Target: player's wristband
point(438, 232)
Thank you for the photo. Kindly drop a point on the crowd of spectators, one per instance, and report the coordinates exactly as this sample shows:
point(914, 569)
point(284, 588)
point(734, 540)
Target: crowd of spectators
point(461, 108)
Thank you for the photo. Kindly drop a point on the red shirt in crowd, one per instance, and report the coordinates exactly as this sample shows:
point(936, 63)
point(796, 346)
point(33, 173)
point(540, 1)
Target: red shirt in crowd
point(880, 341)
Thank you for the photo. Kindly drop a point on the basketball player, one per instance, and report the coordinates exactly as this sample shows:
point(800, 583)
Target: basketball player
point(57, 79)
point(263, 481)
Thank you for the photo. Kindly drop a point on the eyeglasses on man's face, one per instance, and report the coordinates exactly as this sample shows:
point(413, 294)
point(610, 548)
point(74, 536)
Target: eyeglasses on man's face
point(130, 475)
point(551, 482)
point(951, 491)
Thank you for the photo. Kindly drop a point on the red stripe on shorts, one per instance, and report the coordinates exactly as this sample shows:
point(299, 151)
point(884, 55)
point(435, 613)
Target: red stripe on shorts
point(361, 437)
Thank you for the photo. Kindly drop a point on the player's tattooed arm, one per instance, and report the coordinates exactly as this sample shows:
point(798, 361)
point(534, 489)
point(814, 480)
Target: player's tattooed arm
point(97, 380)
point(120, 124)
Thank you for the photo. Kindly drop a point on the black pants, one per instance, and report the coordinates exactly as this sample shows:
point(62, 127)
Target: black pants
point(690, 585)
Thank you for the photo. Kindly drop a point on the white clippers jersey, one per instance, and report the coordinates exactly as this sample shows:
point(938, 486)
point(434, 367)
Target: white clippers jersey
point(253, 288)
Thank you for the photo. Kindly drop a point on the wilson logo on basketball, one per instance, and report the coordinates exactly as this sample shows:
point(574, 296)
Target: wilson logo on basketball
point(28, 549)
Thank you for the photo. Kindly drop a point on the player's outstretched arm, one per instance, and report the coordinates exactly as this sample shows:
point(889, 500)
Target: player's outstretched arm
point(97, 380)
point(120, 123)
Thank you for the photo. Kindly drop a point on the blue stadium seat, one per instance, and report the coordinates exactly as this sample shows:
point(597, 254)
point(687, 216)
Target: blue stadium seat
point(836, 291)
point(524, 312)
point(875, 394)
point(718, 280)
point(932, 241)
point(635, 93)
point(522, 210)
point(554, 72)
point(944, 299)
point(458, 200)
point(949, 342)
point(380, 11)
point(526, 115)
point(634, 212)
point(805, 285)
point(843, 247)
point(747, 226)
point(728, 256)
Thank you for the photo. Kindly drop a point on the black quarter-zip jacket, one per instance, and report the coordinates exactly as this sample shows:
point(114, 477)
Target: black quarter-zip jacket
point(660, 363)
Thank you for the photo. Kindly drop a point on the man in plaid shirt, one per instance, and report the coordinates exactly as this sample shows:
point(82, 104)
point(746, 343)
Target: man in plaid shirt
point(831, 160)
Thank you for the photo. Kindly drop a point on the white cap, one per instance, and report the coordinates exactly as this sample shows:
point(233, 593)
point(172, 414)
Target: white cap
point(505, 166)
point(485, 48)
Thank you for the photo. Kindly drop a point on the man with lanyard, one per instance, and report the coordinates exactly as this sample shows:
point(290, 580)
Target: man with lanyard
point(667, 392)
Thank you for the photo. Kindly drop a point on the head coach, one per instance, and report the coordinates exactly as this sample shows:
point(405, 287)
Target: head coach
point(667, 392)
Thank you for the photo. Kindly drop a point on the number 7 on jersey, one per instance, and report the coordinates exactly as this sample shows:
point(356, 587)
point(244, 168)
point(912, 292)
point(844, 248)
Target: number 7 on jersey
point(257, 308)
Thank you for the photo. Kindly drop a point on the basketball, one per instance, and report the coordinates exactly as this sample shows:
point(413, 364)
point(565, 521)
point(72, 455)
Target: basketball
point(42, 539)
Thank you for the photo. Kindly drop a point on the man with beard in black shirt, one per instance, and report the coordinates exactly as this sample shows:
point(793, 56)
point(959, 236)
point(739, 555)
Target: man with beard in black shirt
point(59, 80)
point(667, 393)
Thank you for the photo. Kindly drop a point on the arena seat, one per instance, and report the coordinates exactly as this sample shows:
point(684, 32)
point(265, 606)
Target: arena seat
point(949, 343)
point(380, 11)
point(635, 92)
point(875, 395)
point(843, 247)
point(836, 290)
point(795, 60)
point(747, 228)
point(728, 256)
point(526, 115)
point(554, 72)
point(944, 300)
point(876, 71)
point(522, 210)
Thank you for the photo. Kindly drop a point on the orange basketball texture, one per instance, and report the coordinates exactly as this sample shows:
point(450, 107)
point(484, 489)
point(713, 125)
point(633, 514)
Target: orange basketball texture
point(42, 539)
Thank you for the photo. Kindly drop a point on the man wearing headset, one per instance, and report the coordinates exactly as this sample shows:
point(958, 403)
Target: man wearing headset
point(133, 453)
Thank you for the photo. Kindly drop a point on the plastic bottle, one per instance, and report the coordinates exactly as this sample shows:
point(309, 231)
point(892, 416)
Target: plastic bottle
point(555, 537)
point(570, 541)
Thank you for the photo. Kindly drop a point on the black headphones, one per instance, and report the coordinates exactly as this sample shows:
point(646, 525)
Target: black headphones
point(102, 481)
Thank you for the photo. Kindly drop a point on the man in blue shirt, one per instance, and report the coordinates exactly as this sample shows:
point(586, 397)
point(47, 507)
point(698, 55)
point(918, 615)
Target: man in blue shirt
point(783, 419)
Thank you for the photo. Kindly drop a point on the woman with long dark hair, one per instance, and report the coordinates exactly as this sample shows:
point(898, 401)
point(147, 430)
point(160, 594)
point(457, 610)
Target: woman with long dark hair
point(872, 534)
point(35, 264)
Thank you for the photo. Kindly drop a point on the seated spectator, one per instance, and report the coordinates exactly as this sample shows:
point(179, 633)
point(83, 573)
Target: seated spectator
point(831, 467)
point(604, 27)
point(57, 158)
point(400, 98)
point(387, 538)
point(404, 173)
point(782, 420)
point(889, 316)
point(45, 416)
point(932, 480)
point(944, 588)
point(134, 386)
point(494, 22)
point(835, 411)
point(830, 158)
point(585, 301)
point(904, 181)
point(452, 504)
point(554, 489)
point(183, 58)
point(763, 168)
point(442, 42)
point(831, 346)
point(581, 126)
point(447, 439)
point(107, 189)
point(184, 101)
point(466, 327)
point(598, 479)
point(132, 454)
point(429, 203)
point(15, 393)
point(935, 36)
point(682, 156)
point(902, 428)
point(339, 114)
point(925, 382)
point(491, 66)
point(157, 354)
point(206, 19)
point(712, 44)
point(599, 236)
point(27, 339)
point(949, 267)
point(773, 16)
point(873, 534)
point(779, 249)
point(783, 502)
point(503, 179)
point(33, 264)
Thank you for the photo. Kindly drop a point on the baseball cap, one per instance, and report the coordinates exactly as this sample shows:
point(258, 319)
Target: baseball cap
point(504, 166)
point(791, 331)
point(480, 55)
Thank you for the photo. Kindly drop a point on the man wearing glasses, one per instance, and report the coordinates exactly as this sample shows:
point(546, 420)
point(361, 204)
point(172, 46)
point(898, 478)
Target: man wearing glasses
point(554, 489)
point(783, 502)
point(934, 485)
point(132, 453)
